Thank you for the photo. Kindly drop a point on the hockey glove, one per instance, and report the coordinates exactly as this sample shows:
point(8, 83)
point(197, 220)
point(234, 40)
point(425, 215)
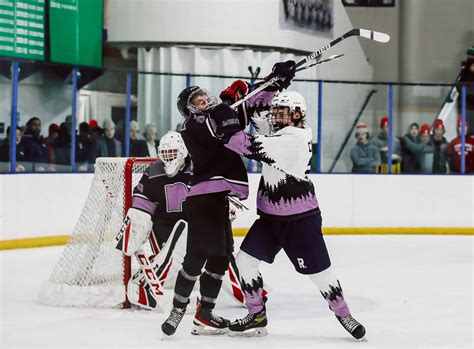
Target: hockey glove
point(234, 92)
point(286, 71)
point(130, 240)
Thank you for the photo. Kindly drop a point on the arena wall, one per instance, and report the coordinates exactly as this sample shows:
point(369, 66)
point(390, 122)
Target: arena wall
point(35, 206)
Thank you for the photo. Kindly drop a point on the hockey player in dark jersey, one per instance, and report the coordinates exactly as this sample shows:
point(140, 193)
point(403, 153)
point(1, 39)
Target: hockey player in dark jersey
point(290, 218)
point(218, 172)
point(157, 205)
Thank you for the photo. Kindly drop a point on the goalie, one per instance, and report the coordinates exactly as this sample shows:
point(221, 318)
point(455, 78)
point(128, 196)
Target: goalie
point(157, 207)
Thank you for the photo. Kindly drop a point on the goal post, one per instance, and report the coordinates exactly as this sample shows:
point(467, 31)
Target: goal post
point(91, 272)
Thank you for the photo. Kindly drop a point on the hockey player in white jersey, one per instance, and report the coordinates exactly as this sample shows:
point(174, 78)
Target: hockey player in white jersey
point(290, 218)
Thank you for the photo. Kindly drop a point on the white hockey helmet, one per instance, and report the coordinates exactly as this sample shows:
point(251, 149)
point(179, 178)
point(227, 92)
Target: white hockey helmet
point(173, 152)
point(292, 100)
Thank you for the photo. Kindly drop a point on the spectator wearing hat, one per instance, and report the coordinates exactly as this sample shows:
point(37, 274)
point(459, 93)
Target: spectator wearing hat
point(455, 151)
point(381, 142)
point(467, 76)
point(410, 163)
point(365, 156)
point(440, 147)
point(423, 150)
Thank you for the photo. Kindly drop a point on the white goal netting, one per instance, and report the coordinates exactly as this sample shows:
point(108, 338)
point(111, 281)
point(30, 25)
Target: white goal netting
point(91, 271)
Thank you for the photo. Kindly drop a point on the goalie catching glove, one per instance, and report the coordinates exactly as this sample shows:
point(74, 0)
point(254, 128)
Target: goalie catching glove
point(130, 239)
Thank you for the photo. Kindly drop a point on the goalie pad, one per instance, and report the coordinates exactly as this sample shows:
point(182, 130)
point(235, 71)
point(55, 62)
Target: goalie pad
point(149, 293)
point(136, 227)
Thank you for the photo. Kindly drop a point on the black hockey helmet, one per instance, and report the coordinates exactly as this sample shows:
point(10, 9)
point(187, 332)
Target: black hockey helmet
point(184, 102)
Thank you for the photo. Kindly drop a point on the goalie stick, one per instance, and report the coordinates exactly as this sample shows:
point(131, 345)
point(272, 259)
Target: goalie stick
point(364, 33)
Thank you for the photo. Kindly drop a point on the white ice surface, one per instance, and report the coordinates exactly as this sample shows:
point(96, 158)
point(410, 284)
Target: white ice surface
point(409, 291)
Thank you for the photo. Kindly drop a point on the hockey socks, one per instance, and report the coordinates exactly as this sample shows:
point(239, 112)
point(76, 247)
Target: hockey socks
point(254, 324)
point(251, 281)
point(331, 290)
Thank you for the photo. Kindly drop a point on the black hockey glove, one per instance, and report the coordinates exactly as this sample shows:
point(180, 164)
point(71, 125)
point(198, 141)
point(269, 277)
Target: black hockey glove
point(225, 120)
point(286, 71)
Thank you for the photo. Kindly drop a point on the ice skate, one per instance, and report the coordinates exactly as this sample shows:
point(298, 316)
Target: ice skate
point(206, 323)
point(352, 326)
point(253, 325)
point(171, 324)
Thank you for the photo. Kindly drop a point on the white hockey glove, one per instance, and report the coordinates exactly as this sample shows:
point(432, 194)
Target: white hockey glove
point(130, 240)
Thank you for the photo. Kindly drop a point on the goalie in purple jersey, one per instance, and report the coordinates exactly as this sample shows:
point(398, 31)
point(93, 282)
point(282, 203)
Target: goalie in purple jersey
point(290, 218)
point(157, 207)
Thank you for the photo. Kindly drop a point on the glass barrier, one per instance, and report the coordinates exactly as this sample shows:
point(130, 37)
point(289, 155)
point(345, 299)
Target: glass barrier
point(101, 119)
point(156, 108)
point(344, 106)
point(5, 119)
point(121, 113)
point(44, 114)
point(421, 147)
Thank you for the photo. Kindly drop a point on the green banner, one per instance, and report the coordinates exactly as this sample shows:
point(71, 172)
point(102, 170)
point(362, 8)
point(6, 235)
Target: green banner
point(22, 29)
point(75, 31)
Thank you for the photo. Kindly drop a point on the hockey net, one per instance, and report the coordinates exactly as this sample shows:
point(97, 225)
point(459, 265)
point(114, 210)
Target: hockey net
point(91, 272)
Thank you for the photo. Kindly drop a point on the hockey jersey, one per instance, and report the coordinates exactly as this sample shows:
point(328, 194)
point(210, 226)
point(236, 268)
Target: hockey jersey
point(285, 192)
point(216, 168)
point(162, 196)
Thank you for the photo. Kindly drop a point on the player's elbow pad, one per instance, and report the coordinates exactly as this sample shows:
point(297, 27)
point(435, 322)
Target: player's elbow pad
point(225, 120)
point(130, 240)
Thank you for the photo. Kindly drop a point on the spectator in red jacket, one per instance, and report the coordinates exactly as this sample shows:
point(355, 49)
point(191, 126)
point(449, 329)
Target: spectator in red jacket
point(454, 151)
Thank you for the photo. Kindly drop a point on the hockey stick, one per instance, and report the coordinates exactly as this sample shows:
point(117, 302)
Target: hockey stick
point(329, 59)
point(364, 33)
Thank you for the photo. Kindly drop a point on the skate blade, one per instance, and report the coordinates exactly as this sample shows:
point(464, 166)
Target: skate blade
point(254, 332)
point(202, 330)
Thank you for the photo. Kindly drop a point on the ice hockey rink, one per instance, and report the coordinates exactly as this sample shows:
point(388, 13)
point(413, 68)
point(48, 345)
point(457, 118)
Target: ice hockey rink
point(409, 291)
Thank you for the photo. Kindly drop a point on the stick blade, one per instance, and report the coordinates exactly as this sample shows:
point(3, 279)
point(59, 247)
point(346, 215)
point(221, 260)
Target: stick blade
point(373, 35)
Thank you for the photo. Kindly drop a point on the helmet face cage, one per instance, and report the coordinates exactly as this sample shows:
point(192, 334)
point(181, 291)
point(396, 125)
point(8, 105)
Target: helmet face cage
point(284, 105)
point(173, 152)
point(205, 103)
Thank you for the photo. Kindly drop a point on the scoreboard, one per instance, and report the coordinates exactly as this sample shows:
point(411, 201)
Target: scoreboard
point(75, 32)
point(60, 31)
point(22, 32)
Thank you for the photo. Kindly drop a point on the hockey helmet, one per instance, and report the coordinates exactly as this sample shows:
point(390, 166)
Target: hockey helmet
point(290, 102)
point(173, 152)
point(194, 100)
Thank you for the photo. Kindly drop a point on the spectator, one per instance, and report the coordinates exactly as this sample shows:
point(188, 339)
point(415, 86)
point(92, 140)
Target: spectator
point(455, 151)
point(134, 132)
point(50, 143)
point(63, 143)
point(83, 146)
point(410, 163)
point(38, 152)
point(381, 142)
point(21, 150)
point(95, 137)
point(107, 146)
point(440, 148)
point(467, 76)
point(148, 146)
point(365, 157)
